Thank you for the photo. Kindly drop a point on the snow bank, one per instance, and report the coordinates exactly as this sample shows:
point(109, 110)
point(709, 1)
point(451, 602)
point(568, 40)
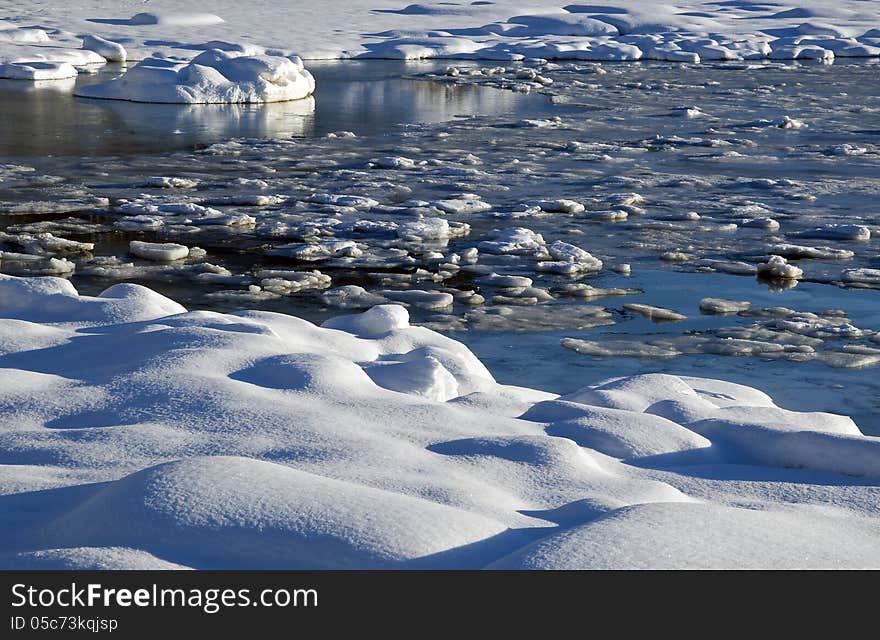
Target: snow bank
point(37, 70)
point(650, 537)
point(140, 435)
point(212, 77)
point(687, 32)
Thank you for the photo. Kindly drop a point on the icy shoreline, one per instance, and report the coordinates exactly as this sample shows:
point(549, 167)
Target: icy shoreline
point(199, 57)
point(137, 434)
point(690, 32)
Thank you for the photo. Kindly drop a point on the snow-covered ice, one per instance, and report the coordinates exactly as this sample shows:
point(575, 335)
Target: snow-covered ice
point(214, 76)
point(689, 32)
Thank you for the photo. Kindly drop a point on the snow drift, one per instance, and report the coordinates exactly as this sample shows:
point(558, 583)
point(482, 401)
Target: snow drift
point(136, 434)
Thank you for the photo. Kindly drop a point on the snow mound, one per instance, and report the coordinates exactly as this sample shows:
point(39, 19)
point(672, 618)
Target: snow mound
point(136, 434)
point(239, 511)
point(50, 299)
point(111, 51)
point(88, 559)
point(37, 70)
point(650, 536)
point(178, 19)
point(615, 432)
point(212, 77)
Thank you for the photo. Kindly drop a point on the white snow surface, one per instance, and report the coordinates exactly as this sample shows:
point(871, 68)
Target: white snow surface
point(687, 31)
point(136, 434)
point(212, 77)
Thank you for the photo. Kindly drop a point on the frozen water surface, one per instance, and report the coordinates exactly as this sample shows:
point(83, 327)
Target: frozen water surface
point(497, 205)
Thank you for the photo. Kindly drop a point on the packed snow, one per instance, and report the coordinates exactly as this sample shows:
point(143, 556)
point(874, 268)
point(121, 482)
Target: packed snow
point(689, 32)
point(138, 434)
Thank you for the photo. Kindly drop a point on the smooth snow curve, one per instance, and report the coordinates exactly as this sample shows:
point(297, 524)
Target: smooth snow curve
point(136, 434)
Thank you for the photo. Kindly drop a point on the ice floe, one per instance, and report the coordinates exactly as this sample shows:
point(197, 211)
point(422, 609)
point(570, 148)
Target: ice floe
point(212, 77)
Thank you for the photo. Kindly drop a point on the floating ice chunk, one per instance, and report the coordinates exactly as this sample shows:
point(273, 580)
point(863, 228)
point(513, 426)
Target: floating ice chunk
point(619, 348)
point(213, 76)
point(561, 206)
point(796, 251)
point(289, 282)
point(419, 298)
point(760, 223)
point(687, 216)
point(112, 51)
point(27, 264)
point(352, 296)
point(516, 241)
point(778, 267)
point(253, 293)
point(462, 205)
point(837, 231)
point(48, 244)
point(339, 200)
point(569, 258)
point(248, 200)
point(167, 182)
point(846, 149)
point(676, 256)
point(322, 250)
point(656, 314)
point(721, 306)
point(623, 269)
point(37, 70)
point(432, 229)
point(849, 360)
point(589, 292)
point(549, 317)
point(160, 252)
point(62, 205)
point(861, 276)
point(396, 162)
point(788, 122)
point(532, 123)
point(496, 280)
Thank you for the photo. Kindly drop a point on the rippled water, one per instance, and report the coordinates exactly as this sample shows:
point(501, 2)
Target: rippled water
point(595, 138)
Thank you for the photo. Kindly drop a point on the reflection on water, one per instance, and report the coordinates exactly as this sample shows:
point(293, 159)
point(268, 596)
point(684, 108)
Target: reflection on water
point(200, 123)
point(44, 118)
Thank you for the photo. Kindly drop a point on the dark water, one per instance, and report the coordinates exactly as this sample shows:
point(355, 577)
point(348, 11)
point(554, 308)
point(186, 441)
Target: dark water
point(804, 386)
point(46, 119)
